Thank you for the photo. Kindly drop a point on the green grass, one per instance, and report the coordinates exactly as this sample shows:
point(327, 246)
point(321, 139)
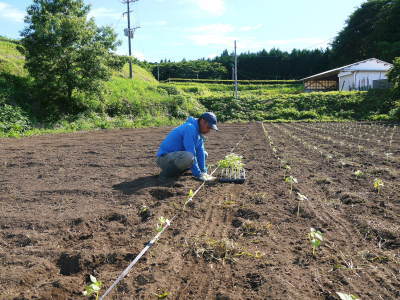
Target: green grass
point(223, 81)
point(244, 89)
point(139, 74)
point(11, 60)
point(94, 122)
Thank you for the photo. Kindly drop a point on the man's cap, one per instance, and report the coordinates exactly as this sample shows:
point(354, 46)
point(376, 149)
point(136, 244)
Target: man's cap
point(211, 119)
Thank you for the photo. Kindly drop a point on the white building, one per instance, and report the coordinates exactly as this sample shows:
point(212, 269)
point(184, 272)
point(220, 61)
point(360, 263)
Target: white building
point(363, 75)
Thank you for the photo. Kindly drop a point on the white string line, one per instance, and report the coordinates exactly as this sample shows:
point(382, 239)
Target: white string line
point(139, 256)
point(155, 239)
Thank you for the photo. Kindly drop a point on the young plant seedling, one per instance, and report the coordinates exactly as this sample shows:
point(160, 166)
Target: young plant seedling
point(301, 198)
point(344, 296)
point(93, 288)
point(161, 224)
point(388, 155)
point(378, 185)
point(358, 173)
point(189, 198)
point(163, 295)
point(292, 180)
point(144, 213)
point(190, 195)
point(231, 161)
point(287, 170)
point(232, 169)
point(316, 238)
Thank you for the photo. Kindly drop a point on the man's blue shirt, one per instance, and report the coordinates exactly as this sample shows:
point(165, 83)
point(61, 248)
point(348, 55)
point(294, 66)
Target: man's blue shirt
point(187, 137)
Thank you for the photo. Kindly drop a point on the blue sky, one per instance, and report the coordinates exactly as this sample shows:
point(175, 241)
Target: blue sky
point(177, 29)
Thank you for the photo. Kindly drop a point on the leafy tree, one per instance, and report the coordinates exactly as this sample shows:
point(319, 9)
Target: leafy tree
point(373, 30)
point(394, 77)
point(191, 69)
point(66, 53)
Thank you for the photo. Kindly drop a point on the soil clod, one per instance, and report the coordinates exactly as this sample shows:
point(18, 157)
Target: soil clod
point(116, 217)
point(69, 264)
point(254, 280)
point(247, 214)
point(236, 223)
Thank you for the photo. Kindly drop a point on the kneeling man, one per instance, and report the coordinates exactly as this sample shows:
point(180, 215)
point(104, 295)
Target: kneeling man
point(183, 148)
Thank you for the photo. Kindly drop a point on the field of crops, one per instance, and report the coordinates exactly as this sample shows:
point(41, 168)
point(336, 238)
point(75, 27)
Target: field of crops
point(318, 214)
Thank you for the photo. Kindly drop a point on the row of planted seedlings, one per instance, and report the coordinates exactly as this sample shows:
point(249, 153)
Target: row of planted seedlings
point(385, 138)
point(231, 170)
point(377, 183)
point(382, 150)
point(360, 130)
point(292, 181)
point(333, 154)
point(329, 155)
point(315, 237)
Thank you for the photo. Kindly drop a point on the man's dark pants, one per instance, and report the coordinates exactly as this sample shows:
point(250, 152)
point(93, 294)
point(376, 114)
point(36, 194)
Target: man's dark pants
point(175, 163)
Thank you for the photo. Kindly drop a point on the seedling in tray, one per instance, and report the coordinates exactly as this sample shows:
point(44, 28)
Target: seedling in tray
point(232, 169)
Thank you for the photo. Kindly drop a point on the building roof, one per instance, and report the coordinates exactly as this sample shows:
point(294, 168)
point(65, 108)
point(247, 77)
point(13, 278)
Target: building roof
point(371, 64)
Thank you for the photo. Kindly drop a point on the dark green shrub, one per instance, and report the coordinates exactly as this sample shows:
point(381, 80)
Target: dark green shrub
point(13, 119)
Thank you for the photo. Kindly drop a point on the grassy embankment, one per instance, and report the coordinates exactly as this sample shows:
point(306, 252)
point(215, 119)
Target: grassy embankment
point(142, 102)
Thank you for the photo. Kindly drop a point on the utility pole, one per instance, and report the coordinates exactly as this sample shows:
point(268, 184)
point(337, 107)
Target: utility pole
point(158, 72)
point(233, 78)
point(130, 32)
point(236, 73)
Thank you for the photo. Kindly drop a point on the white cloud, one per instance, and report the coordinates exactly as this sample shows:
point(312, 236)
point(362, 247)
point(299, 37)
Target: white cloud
point(250, 28)
point(213, 34)
point(11, 13)
point(139, 55)
point(223, 35)
point(213, 7)
point(103, 12)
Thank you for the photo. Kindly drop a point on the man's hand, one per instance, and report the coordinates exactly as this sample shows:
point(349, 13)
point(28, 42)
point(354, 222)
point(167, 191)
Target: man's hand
point(206, 177)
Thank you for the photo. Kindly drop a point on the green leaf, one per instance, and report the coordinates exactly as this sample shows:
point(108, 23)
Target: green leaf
point(163, 295)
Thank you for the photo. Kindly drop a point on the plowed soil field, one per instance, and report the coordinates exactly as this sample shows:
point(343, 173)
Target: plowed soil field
point(86, 203)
